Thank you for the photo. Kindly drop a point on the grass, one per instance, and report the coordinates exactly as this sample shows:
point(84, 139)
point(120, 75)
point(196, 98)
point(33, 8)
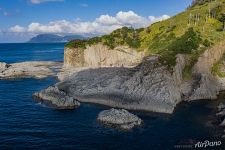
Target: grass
point(184, 33)
point(216, 69)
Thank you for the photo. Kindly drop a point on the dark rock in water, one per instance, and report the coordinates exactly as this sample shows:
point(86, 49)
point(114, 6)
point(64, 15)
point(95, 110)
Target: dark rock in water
point(57, 98)
point(121, 119)
point(221, 107)
point(223, 123)
point(221, 113)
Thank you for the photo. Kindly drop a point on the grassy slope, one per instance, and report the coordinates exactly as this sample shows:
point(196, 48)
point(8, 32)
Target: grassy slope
point(170, 37)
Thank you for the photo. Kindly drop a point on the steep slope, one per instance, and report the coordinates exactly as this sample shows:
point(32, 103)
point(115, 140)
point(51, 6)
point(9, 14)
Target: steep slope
point(189, 32)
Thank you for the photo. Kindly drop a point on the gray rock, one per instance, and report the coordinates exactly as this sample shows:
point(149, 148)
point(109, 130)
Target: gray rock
point(147, 87)
point(206, 87)
point(2, 65)
point(57, 98)
point(221, 113)
point(221, 107)
point(34, 69)
point(222, 123)
point(121, 119)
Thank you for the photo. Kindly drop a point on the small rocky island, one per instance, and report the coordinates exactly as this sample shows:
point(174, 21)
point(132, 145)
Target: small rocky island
point(32, 69)
point(120, 119)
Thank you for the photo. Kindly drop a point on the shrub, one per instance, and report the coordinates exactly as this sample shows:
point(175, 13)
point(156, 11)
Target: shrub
point(77, 44)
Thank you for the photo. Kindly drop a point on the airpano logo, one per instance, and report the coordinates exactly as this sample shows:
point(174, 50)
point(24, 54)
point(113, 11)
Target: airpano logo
point(191, 144)
point(207, 144)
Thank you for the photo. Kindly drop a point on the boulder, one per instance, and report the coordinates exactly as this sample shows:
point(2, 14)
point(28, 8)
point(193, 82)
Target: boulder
point(56, 98)
point(119, 118)
point(221, 107)
point(223, 123)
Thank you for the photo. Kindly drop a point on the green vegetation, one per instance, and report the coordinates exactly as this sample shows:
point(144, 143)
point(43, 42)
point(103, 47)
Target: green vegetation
point(76, 44)
point(190, 32)
point(216, 69)
point(200, 2)
point(124, 36)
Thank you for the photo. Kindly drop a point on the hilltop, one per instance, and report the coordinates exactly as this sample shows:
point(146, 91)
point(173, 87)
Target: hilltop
point(51, 38)
point(191, 32)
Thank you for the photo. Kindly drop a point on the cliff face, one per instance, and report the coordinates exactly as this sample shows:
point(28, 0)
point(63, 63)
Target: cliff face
point(206, 86)
point(100, 55)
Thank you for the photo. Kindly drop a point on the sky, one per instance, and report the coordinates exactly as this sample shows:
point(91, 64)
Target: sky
point(22, 19)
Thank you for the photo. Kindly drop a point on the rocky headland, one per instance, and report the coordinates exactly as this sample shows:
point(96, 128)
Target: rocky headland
point(138, 84)
point(146, 87)
point(147, 69)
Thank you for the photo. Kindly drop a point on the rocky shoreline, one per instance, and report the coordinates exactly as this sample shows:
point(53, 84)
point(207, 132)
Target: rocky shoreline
point(32, 69)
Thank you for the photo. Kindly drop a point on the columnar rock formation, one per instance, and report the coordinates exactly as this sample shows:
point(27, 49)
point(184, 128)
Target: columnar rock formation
point(101, 56)
point(207, 86)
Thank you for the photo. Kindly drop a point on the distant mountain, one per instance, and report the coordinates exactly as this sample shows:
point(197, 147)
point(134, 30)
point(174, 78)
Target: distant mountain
point(51, 38)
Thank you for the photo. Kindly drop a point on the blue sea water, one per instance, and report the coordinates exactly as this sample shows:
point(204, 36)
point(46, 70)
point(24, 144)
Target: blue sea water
point(27, 124)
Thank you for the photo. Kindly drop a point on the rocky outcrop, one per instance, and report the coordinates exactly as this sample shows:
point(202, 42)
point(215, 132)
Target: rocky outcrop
point(101, 56)
point(148, 87)
point(120, 119)
point(56, 98)
point(34, 69)
point(205, 85)
point(181, 62)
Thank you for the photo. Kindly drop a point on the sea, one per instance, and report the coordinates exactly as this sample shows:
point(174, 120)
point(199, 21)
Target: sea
point(28, 124)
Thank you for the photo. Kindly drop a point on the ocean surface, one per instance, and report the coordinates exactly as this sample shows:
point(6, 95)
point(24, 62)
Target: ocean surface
point(27, 124)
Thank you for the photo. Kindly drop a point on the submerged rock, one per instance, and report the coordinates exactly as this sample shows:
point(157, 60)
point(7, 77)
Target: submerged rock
point(34, 69)
point(221, 113)
point(222, 123)
point(121, 119)
point(57, 98)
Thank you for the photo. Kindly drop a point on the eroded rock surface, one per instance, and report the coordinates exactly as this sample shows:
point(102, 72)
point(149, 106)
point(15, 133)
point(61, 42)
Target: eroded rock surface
point(147, 87)
point(57, 98)
point(100, 55)
point(117, 118)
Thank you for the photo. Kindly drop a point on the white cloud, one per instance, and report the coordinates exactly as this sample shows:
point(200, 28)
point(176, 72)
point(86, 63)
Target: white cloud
point(42, 1)
point(17, 29)
point(160, 18)
point(107, 20)
point(102, 25)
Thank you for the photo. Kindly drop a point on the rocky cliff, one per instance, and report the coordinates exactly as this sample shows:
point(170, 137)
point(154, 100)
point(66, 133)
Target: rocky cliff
point(106, 77)
point(147, 87)
point(100, 55)
point(207, 86)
